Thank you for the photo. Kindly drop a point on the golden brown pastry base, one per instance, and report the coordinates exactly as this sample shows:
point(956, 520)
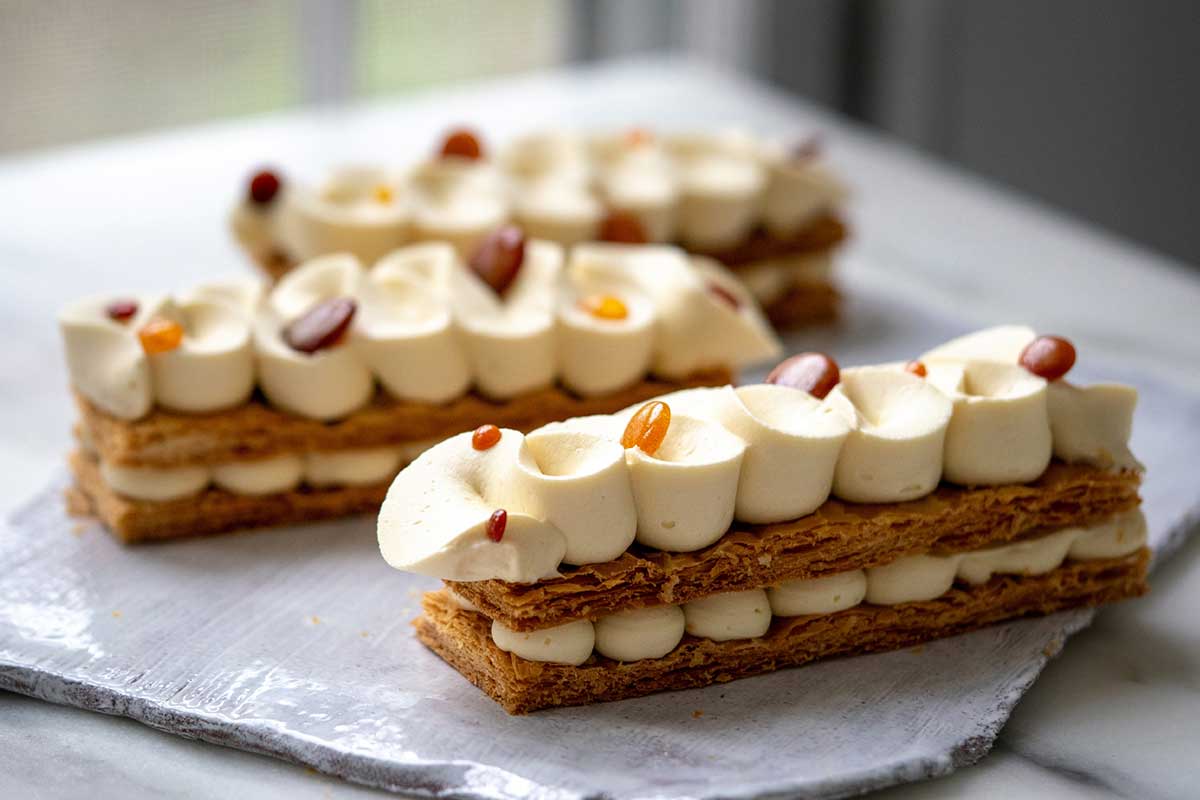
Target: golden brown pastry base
point(212, 510)
point(836, 537)
point(463, 638)
point(257, 430)
point(804, 304)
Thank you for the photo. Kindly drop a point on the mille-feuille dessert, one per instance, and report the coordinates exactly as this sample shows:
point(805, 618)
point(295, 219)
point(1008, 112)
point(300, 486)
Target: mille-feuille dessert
point(228, 406)
point(717, 533)
point(769, 212)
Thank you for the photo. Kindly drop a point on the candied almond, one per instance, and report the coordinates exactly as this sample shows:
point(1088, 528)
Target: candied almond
point(496, 524)
point(1048, 357)
point(462, 143)
point(623, 227)
point(815, 373)
point(499, 257)
point(320, 327)
point(121, 310)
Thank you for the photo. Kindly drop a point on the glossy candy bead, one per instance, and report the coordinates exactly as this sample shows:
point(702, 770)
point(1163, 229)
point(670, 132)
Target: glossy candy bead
point(160, 335)
point(622, 227)
point(916, 368)
point(496, 524)
point(263, 187)
point(815, 373)
point(121, 310)
point(462, 143)
point(636, 137)
point(604, 306)
point(320, 327)
point(1048, 357)
point(648, 427)
point(485, 437)
point(499, 258)
point(724, 295)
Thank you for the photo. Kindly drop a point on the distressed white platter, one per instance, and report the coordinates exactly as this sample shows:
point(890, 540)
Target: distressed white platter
point(296, 643)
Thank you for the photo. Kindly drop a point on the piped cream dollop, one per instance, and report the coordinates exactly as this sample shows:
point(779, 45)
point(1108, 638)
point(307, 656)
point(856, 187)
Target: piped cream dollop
point(364, 211)
point(571, 643)
point(640, 633)
point(435, 518)
point(729, 616)
point(825, 595)
point(898, 430)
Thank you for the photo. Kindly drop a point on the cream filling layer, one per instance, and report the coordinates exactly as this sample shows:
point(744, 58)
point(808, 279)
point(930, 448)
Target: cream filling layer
point(266, 476)
point(646, 633)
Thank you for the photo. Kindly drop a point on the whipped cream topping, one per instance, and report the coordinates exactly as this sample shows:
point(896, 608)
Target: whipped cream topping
point(262, 476)
point(654, 632)
point(708, 190)
point(212, 367)
point(362, 210)
point(898, 431)
point(770, 453)
point(426, 329)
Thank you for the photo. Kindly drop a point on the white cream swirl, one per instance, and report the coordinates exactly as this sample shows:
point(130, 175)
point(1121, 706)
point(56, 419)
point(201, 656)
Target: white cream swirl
point(364, 211)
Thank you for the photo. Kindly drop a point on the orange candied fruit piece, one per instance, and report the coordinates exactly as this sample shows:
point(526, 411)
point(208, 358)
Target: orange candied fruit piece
point(160, 335)
point(648, 427)
point(916, 368)
point(604, 306)
point(485, 437)
point(635, 137)
point(383, 194)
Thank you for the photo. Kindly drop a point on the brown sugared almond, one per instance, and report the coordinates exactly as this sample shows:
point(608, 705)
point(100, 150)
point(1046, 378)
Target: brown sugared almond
point(815, 373)
point(499, 257)
point(1048, 357)
point(321, 326)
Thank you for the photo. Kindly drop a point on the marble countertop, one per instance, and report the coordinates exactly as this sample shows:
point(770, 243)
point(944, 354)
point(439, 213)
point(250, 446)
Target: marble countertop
point(1117, 713)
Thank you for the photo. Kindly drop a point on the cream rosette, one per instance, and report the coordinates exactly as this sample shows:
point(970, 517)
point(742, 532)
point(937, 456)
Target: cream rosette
point(365, 211)
point(104, 357)
point(1034, 557)
point(721, 186)
point(562, 157)
point(435, 518)
point(212, 369)
point(1088, 424)
point(792, 445)
point(579, 483)
point(799, 189)
point(359, 467)
point(600, 354)
point(729, 616)
point(898, 431)
point(243, 293)
point(510, 339)
point(329, 383)
point(636, 175)
point(686, 491)
point(696, 329)
point(1000, 430)
point(559, 210)
point(640, 633)
point(458, 201)
point(406, 330)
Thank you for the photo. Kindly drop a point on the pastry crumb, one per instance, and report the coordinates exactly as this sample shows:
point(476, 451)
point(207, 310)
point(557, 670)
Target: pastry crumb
point(314, 620)
point(116, 614)
point(698, 713)
point(365, 634)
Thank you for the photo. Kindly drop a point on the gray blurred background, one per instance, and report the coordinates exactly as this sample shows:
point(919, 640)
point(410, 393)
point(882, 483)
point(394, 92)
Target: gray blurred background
point(1091, 105)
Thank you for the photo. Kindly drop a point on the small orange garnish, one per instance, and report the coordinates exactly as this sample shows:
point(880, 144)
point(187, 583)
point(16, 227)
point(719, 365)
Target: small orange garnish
point(648, 427)
point(485, 437)
point(604, 306)
point(624, 228)
point(160, 335)
point(383, 194)
point(462, 143)
point(916, 368)
point(635, 137)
